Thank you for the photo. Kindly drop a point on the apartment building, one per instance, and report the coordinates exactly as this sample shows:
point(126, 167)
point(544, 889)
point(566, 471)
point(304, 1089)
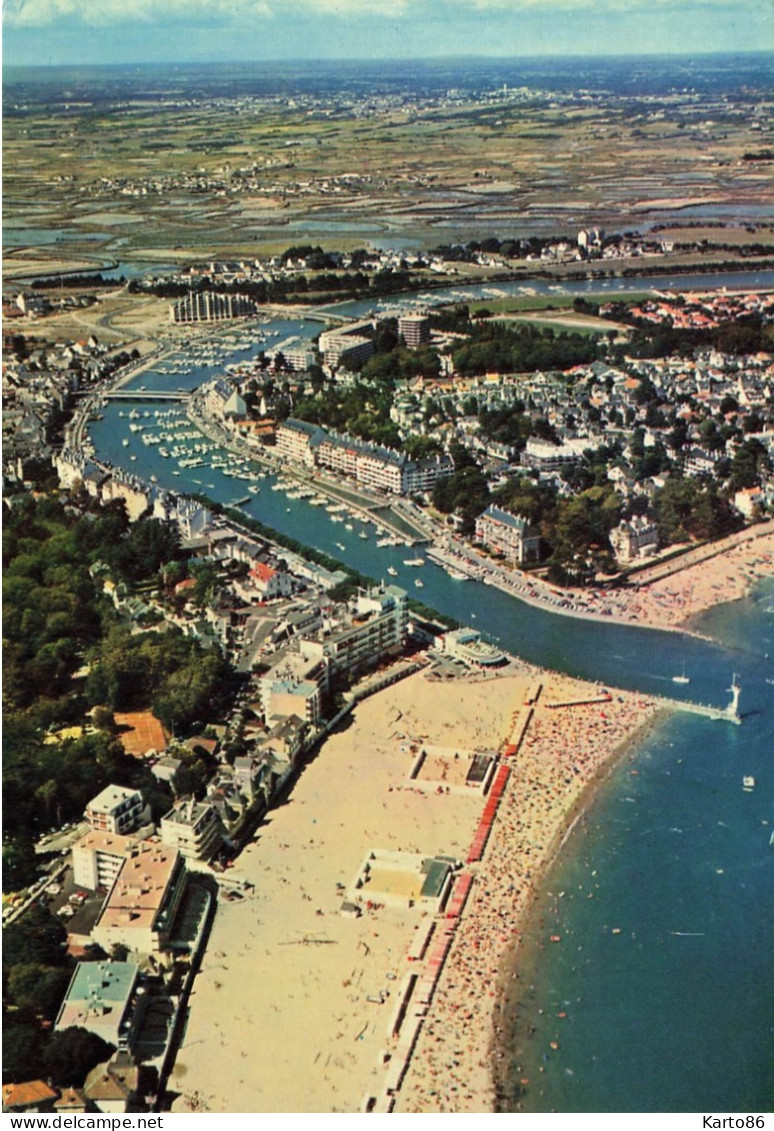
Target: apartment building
point(192, 828)
point(372, 466)
point(414, 328)
point(347, 345)
point(140, 908)
point(207, 306)
point(98, 858)
point(117, 809)
point(374, 628)
point(295, 685)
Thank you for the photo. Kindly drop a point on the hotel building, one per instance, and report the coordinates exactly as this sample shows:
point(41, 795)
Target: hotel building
point(508, 534)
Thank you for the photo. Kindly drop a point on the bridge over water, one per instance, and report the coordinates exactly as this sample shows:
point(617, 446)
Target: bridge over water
point(140, 395)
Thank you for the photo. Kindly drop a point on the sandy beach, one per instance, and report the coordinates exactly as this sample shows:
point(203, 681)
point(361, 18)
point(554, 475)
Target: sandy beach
point(707, 576)
point(668, 594)
point(565, 752)
point(295, 1002)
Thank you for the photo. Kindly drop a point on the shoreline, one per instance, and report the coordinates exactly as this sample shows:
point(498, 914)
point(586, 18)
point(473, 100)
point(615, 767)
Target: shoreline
point(572, 744)
point(679, 591)
point(524, 845)
point(504, 1036)
point(274, 989)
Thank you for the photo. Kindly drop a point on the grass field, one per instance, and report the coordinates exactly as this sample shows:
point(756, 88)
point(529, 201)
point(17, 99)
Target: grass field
point(200, 180)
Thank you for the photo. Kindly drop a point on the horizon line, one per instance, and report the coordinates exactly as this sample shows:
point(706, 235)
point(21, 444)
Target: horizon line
point(347, 59)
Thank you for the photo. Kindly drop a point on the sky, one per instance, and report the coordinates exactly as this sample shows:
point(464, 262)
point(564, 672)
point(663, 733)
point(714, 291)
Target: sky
point(50, 32)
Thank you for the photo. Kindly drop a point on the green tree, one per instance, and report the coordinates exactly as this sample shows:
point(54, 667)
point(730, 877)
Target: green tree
point(22, 1051)
point(749, 461)
point(36, 989)
point(72, 1053)
point(36, 939)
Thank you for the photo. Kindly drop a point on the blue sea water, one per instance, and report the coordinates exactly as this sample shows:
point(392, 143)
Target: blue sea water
point(674, 1011)
point(664, 900)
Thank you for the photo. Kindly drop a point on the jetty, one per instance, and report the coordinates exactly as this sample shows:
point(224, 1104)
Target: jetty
point(729, 714)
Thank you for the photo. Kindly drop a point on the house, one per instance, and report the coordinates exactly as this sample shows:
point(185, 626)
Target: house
point(285, 740)
point(167, 769)
point(748, 500)
point(30, 1095)
point(113, 1086)
point(250, 777)
point(72, 1101)
point(637, 538)
point(270, 581)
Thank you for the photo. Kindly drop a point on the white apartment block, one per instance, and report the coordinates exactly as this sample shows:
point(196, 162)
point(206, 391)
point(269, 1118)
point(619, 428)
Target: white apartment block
point(193, 828)
point(297, 441)
point(141, 906)
point(375, 628)
point(414, 329)
point(544, 456)
point(117, 810)
point(372, 466)
point(98, 857)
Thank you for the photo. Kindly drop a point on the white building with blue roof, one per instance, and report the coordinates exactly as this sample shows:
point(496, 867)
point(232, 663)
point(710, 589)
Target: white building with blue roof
point(104, 998)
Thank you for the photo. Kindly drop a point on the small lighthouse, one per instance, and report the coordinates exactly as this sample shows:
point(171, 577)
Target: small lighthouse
point(732, 710)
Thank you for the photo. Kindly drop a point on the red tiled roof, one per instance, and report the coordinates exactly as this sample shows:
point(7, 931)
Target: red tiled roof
point(262, 571)
point(29, 1092)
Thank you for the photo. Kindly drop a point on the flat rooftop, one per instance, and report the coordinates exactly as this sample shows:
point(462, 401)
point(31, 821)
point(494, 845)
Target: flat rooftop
point(140, 888)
